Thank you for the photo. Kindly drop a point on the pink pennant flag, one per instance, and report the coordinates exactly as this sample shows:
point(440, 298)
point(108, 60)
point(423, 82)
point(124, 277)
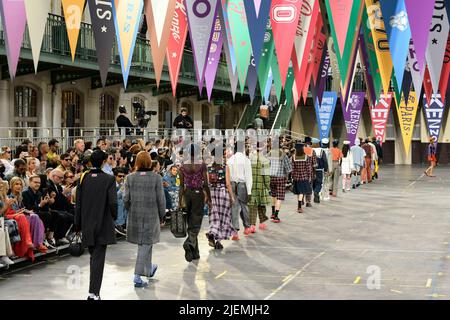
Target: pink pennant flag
point(14, 21)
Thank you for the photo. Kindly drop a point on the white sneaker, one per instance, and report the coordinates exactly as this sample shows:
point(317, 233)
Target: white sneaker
point(6, 261)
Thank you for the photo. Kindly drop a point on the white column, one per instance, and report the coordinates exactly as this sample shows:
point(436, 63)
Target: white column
point(7, 108)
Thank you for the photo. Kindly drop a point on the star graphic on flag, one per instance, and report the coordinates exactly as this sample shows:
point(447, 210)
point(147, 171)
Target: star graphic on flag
point(174, 54)
point(434, 41)
point(104, 29)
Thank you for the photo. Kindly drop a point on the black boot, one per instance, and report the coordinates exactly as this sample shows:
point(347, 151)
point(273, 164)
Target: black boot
point(316, 197)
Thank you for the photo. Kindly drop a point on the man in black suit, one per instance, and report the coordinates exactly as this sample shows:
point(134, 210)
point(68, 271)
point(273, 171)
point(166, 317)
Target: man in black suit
point(95, 213)
point(61, 206)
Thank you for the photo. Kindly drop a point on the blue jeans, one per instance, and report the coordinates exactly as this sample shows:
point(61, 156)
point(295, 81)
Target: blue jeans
point(122, 214)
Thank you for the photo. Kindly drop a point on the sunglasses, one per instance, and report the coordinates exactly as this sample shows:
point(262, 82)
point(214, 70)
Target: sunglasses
point(120, 176)
point(67, 159)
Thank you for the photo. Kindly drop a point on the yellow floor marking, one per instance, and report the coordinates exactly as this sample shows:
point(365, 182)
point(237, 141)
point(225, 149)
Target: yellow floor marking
point(286, 278)
point(396, 291)
point(221, 275)
point(436, 295)
point(428, 285)
point(357, 280)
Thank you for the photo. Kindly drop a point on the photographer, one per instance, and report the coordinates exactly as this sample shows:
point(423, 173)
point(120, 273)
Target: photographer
point(183, 121)
point(123, 122)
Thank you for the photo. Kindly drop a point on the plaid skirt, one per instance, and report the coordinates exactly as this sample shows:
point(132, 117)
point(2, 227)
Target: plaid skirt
point(278, 187)
point(220, 225)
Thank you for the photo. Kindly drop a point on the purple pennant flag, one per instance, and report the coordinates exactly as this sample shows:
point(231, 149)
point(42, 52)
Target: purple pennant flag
point(352, 114)
point(315, 86)
point(14, 20)
point(323, 76)
point(366, 68)
point(420, 13)
point(252, 79)
point(214, 57)
point(434, 112)
point(201, 17)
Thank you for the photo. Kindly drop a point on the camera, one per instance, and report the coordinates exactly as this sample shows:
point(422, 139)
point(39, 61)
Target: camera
point(143, 117)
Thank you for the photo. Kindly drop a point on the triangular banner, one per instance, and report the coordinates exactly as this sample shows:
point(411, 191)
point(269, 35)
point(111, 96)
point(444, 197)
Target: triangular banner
point(104, 33)
point(398, 34)
point(159, 15)
point(266, 58)
point(371, 95)
point(177, 40)
point(445, 74)
point(427, 87)
point(407, 118)
point(381, 44)
point(284, 16)
point(257, 13)
point(73, 13)
point(434, 112)
point(413, 64)
point(340, 13)
point(303, 40)
point(437, 43)
point(214, 57)
point(37, 13)
point(379, 114)
point(241, 38)
point(323, 76)
point(229, 54)
point(252, 79)
point(14, 21)
point(352, 114)
point(325, 113)
point(277, 78)
point(201, 16)
point(419, 16)
point(127, 16)
point(268, 87)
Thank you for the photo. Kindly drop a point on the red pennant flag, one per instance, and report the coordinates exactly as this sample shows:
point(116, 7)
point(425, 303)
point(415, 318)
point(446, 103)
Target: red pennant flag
point(159, 14)
point(284, 16)
point(427, 85)
point(177, 40)
point(443, 83)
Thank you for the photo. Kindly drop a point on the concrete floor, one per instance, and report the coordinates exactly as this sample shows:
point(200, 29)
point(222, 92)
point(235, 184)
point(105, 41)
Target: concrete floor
point(398, 226)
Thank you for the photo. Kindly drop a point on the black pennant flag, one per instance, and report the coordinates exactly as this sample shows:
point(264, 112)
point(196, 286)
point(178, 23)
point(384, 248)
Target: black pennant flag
point(104, 33)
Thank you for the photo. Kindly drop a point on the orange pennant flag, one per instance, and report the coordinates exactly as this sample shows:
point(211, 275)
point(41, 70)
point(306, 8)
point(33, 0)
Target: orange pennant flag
point(73, 12)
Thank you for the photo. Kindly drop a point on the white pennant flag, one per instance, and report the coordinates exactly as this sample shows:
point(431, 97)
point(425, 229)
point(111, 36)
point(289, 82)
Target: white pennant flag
point(414, 68)
point(437, 42)
point(37, 13)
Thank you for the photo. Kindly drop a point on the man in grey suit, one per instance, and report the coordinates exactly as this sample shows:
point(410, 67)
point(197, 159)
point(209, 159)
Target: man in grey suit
point(95, 213)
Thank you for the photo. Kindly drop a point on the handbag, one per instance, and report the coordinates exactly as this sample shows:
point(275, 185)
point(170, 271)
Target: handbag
point(76, 248)
point(178, 223)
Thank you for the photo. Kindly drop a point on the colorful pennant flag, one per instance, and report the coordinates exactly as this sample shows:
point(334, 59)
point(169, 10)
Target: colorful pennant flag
point(159, 15)
point(398, 34)
point(241, 38)
point(268, 87)
point(434, 112)
point(381, 44)
point(177, 39)
point(257, 13)
point(104, 33)
point(413, 65)
point(266, 57)
point(323, 76)
point(325, 113)
point(352, 114)
point(37, 13)
point(371, 95)
point(276, 78)
point(303, 40)
point(229, 54)
point(289, 84)
point(379, 114)
point(73, 13)
point(437, 43)
point(127, 15)
point(419, 16)
point(445, 74)
point(252, 79)
point(201, 16)
point(427, 87)
point(284, 16)
point(214, 57)
point(407, 118)
point(14, 20)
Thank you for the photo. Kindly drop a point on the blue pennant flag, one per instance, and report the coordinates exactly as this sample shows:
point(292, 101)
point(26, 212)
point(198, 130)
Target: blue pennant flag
point(325, 112)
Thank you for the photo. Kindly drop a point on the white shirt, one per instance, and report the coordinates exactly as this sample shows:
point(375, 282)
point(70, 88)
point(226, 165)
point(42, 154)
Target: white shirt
point(8, 166)
point(241, 170)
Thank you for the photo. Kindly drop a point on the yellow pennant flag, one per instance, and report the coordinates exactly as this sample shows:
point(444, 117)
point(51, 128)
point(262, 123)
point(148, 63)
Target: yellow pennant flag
point(73, 12)
point(407, 118)
point(380, 41)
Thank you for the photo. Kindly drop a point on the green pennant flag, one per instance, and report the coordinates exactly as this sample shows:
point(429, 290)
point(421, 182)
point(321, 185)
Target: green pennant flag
point(240, 36)
point(289, 85)
point(266, 58)
point(345, 58)
point(276, 77)
point(373, 62)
